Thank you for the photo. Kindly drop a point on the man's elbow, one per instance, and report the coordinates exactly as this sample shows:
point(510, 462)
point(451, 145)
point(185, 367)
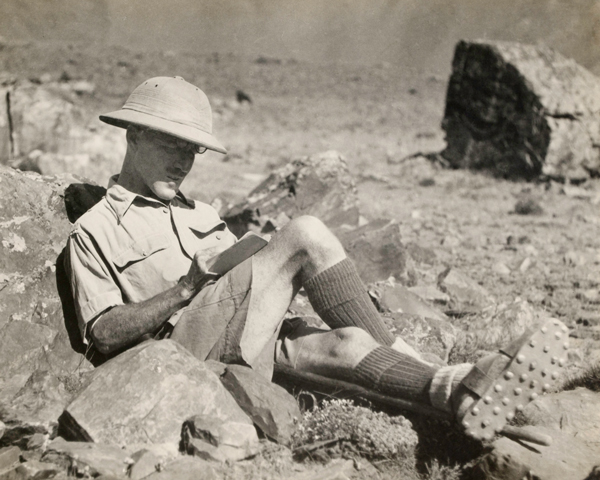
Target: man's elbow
point(101, 335)
point(103, 344)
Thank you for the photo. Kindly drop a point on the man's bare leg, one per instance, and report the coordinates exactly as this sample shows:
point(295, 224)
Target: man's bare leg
point(304, 253)
point(300, 251)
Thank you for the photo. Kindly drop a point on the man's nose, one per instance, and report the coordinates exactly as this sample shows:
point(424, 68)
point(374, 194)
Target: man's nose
point(185, 160)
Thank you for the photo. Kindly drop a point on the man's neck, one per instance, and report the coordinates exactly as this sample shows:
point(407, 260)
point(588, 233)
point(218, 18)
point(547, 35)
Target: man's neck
point(130, 180)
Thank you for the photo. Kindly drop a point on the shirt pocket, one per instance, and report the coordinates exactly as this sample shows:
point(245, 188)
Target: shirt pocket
point(140, 249)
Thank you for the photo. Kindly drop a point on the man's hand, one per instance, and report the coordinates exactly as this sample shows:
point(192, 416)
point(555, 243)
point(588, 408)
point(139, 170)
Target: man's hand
point(198, 274)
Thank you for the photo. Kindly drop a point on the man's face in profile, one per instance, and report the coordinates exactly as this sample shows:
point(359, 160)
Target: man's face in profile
point(162, 162)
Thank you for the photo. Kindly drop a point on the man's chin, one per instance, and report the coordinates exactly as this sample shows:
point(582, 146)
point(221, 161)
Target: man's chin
point(166, 190)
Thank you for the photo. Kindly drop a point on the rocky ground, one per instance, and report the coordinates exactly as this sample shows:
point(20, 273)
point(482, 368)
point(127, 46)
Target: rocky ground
point(527, 250)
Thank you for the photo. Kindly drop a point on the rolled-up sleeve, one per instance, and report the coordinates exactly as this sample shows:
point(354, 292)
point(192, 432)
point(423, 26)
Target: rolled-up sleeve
point(93, 288)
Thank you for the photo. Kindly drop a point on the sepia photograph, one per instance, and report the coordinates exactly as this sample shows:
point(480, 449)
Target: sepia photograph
point(300, 240)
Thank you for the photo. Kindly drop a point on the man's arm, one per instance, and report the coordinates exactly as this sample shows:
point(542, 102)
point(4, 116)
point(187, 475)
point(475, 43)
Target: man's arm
point(125, 324)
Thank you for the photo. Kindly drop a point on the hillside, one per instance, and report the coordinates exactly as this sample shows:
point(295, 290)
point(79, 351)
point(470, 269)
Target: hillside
point(410, 33)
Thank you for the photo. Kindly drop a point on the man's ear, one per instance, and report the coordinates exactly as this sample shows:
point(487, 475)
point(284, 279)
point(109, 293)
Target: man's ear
point(133, 135)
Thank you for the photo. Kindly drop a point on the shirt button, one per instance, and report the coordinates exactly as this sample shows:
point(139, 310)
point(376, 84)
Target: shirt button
point(144, 253)
point(165, 210)
point(218, 237)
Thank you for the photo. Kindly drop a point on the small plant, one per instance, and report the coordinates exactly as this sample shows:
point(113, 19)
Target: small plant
point(528, 206)
point(589, 378)
point(358, 430)
point(437, 471)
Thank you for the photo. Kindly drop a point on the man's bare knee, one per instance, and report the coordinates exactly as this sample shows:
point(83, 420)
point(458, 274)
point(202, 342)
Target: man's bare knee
point(313, 240)
point(351, 343)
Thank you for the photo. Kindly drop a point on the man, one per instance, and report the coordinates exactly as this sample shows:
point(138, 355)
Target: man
point(137, 267)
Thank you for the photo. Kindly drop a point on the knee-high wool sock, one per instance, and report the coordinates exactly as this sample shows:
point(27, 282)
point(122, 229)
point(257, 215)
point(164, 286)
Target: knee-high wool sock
point(341, 300)
point(395, 374)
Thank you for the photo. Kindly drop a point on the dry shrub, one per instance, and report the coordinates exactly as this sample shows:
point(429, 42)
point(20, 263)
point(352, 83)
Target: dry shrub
point(589, 378)
point(493, 329)
point(358, 431)
point(437, 471)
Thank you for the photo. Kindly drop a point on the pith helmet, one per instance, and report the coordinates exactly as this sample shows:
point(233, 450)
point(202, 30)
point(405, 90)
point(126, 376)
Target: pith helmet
point(170, 105)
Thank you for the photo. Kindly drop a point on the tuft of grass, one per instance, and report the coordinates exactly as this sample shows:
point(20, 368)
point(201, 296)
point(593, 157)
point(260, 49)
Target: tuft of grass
point(437, 471)
point(528, 206)
point(357, 431)
point(589, 378)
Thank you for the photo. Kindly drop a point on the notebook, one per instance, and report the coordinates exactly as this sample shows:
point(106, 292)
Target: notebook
point(244, 248)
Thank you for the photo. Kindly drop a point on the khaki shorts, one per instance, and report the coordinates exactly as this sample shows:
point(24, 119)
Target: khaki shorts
point(211, 325)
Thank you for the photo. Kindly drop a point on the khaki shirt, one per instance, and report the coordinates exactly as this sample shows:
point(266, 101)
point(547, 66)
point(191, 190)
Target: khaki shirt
point(129, 248)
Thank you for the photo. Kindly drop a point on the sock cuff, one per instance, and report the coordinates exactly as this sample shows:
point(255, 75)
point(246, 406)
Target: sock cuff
point(445, 381)
point(369, 370)
point(335, 285)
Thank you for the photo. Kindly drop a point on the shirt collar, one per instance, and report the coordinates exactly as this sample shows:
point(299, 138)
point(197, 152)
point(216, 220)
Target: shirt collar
point(120, 199)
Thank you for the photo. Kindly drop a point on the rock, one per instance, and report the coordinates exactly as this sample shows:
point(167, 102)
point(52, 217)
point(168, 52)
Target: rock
point(33, 228)
point(525, 264)
point(150, 458)
point(39, 368)
point(430, 293)
point(87, 459)
point(51, 132)
point(376, 249)
point(270, 406)
point(521, 110)
point(219, 440)
point(23, 342)
point(400, 299)
point(187, 468)
point(575, 412)
point(144, 395)
point(501, 268)
point(573, 259)
point(336, 470)
point(38, 441)
point(465, 294)
point(41, 118)
point(451, 241)
point(34, 411)
point(426, 335)
point(32, 470)
point(9, 457)
point(145, 463)
point(2, 429)
point(567, 457)
point(496, 327)
point(421, 254)
point(319, 185)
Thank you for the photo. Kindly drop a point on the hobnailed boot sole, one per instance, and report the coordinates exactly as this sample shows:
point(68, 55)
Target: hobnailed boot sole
point(537, 358)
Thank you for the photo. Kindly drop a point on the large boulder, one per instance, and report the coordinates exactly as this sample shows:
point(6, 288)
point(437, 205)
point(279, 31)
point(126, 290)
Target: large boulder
point(40, 369)
point(48, 128)
point(144, 395)
point(522, 110)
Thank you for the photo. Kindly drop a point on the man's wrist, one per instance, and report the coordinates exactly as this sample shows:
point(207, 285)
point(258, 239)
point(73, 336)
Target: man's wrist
point(185, 291)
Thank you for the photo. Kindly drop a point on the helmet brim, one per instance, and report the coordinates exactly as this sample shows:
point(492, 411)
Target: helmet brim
point(125, 117)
